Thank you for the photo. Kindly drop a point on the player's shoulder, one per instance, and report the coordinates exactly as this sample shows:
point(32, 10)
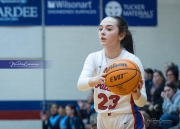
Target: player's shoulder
point(95, 54)
point(66, 117)
point(131, 56)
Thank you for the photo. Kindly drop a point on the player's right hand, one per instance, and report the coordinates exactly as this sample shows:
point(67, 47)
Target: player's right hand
point(99, 79)
point(102, 77)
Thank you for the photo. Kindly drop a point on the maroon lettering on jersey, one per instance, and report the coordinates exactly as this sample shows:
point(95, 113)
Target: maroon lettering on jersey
point(102, 87)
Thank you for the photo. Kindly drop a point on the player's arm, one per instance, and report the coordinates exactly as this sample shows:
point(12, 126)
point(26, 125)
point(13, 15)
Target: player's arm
point(93, 81)
point(98, 79)
point(86, 80)
point(139, 96)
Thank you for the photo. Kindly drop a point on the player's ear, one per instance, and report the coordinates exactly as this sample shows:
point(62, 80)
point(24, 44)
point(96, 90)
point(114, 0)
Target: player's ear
point(122, 35)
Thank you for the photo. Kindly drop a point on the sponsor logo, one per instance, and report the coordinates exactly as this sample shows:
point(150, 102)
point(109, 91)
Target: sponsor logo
point(51, 4)
point(125, 122)
point(137, 10)
point(117, 77)
point(121, 89)
point(69, 5)
point(116, 65)
point(113, 8)
point(14, 13)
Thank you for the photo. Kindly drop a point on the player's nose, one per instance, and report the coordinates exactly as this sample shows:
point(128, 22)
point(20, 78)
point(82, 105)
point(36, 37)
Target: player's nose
point(102, 32)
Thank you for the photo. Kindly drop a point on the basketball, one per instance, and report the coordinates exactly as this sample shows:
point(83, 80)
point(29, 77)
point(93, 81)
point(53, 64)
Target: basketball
point(123, 76)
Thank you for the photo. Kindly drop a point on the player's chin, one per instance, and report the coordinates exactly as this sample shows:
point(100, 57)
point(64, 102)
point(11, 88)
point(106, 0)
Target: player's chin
point(104, 44)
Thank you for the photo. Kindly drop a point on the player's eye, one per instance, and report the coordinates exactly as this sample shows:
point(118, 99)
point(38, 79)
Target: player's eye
point(109, 29)
point(100, 29)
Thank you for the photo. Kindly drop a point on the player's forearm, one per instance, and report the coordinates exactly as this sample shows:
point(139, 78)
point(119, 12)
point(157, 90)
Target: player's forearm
point(83, 84)
point(93, 81)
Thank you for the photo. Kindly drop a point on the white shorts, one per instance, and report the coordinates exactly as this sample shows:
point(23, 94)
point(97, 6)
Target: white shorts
point(120, 121)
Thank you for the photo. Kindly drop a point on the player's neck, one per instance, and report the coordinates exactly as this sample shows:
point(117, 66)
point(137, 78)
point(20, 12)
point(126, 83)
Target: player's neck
point(113, 52)
point(62, 115)
point(157, 84)
point(72, 115)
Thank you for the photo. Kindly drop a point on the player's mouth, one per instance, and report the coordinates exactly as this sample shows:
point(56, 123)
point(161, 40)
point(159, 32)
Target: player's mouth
point(103, 39)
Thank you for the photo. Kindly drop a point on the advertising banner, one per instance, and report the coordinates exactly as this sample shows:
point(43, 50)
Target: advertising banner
point(72, 12)
point(20, 12)
point(135, 12)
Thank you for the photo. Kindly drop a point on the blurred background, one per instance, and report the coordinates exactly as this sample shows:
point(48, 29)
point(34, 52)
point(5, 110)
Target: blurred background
point(63, 33)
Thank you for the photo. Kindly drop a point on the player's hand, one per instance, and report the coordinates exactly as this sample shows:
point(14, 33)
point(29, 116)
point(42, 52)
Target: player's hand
point(150, 107)
point(163, 95)
point(148, 103)
point(99, 79)
point(105, 70)
point(137, 92)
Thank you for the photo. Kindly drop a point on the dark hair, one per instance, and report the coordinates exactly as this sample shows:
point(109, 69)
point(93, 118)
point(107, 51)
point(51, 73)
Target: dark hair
point(160, 73)
point(62, 106)
point(172, 86)
point(149, 71)
point(55, 104)
point(175, 72)
point(127, 42)
point(72, 107)
point(170, 64)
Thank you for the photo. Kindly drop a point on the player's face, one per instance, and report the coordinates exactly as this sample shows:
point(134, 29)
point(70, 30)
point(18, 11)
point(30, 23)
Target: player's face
point(169, 92)
point(69, 111)
point(88, 106)
point(61, 111)
point(170, 77)
point(157, 79)
point(94, 126)
point(165, 68)
point(54, 109)
point(146, 76)
point(109, 32)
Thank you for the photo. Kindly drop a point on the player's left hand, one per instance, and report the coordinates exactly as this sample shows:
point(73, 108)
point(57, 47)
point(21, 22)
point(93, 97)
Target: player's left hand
point(150, 107)
point(137, 92)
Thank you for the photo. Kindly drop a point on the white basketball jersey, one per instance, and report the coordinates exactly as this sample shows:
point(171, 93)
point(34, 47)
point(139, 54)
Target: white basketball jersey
point(106, 101)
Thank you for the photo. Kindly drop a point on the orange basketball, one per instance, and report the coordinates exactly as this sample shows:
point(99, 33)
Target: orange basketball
point(123, 76)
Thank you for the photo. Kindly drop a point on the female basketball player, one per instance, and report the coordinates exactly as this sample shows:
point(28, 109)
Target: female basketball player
point(114, 111)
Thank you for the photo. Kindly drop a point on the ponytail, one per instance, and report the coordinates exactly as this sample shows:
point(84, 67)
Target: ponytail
point(127, 42)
